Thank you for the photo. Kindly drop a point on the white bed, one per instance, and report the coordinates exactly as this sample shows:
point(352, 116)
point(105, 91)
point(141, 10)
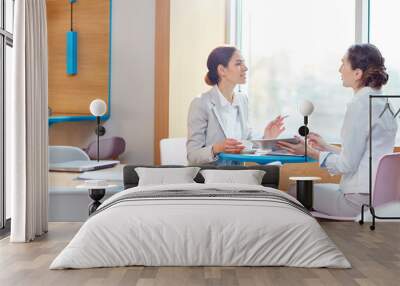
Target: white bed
point(188, 231)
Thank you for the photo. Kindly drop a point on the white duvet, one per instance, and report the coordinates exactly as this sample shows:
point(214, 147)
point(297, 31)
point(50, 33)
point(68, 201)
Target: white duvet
point(200, 231)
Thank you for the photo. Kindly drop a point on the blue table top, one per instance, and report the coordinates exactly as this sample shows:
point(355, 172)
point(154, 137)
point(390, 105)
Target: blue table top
point(263, 159)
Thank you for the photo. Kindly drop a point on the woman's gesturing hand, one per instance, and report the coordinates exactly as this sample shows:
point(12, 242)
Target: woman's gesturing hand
point(228, 146)
point(299, 148)
point(274, 128)
point(317, 142)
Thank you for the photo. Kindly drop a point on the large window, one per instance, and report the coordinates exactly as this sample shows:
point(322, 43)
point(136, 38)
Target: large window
point(293, 50)
point(6, 43)
point(384, 23)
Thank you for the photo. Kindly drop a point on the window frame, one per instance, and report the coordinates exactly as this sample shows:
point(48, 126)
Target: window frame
point(234, 22)
point(6, 39)
point(234, 27)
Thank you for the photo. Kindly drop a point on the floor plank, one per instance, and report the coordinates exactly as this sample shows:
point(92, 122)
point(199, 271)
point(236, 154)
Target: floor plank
point(374, 255)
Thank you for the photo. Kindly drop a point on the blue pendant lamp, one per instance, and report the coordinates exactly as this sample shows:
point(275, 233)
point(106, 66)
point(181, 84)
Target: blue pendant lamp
point(72, 47)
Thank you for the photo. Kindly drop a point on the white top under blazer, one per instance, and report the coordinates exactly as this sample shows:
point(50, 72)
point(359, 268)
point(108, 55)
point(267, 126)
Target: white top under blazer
point(207, 124)
point(229, 114)
point(353, 160)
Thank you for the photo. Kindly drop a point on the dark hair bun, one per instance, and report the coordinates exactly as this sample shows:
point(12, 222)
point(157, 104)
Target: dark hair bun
point(375, 77)
point(218, 56)
point(210, 80)
point(369, 59)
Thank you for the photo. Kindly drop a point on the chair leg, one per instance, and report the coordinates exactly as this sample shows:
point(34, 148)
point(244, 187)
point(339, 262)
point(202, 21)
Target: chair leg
point(361, 221)
point(372, 210)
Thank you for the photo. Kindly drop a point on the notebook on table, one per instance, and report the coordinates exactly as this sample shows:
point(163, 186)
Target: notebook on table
point(81, 166)
point(270, 147)
point(272, 144)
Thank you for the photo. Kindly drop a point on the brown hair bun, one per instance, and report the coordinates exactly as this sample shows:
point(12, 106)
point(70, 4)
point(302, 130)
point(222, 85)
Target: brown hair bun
point(218, 56)
point(368, 58)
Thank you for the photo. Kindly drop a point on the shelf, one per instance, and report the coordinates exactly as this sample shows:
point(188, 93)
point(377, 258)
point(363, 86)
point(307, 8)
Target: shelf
point(59, 118)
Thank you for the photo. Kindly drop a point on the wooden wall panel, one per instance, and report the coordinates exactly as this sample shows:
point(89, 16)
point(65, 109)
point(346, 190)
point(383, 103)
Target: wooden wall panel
point(304, 169)
point(73, 94)
point(161, 101)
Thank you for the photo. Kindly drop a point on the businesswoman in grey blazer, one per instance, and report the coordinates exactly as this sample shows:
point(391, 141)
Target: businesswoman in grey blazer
point(218, 119)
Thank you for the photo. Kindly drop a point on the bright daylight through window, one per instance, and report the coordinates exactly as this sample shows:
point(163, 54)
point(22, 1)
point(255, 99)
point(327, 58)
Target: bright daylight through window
point(294, 49)
point(384, 23)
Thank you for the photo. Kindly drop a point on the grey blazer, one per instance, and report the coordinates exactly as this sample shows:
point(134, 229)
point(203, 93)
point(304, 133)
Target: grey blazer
point(205, 126)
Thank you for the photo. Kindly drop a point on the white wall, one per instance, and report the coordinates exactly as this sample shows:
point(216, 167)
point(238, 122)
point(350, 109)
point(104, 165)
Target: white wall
point(132, 85)
point(195, 30)
point(132, 106)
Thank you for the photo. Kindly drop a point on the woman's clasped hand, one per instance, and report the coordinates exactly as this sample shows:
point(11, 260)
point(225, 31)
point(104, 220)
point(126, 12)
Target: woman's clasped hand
point(229, 145)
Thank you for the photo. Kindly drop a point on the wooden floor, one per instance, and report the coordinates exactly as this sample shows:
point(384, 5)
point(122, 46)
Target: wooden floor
point(375, 257)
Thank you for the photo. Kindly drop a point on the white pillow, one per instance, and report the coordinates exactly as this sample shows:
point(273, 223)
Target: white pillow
point(248, 177)
point(163, 176)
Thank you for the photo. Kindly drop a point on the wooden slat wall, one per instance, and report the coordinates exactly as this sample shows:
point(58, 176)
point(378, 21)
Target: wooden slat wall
point(161, 109)
point(72, 94)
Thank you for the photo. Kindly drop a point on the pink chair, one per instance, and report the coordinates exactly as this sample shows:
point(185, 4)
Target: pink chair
point(386, 189)
point(110, 148)
point(387, 186)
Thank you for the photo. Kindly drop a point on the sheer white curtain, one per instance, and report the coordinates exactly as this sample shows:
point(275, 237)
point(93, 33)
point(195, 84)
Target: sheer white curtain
point(27, 142)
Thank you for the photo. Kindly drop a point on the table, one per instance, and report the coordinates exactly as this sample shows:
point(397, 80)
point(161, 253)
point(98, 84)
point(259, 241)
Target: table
point(96, 193)
point(68, 203)
point(304, 190)
point(224, 158)
point(70, 179)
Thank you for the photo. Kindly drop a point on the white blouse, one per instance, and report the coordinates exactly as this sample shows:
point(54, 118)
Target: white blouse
point(230, 117)
point(353, 160)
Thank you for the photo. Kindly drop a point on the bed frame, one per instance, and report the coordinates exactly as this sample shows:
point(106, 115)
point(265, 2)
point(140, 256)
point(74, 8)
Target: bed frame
point(270, 179)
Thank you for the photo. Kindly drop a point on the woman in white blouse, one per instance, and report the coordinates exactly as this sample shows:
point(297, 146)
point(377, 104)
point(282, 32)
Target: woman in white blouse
point(364, 71)
point(218, 119)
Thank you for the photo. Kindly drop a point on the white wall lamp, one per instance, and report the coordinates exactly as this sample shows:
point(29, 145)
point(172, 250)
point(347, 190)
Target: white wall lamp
point(98, 108)
point(305, 108)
